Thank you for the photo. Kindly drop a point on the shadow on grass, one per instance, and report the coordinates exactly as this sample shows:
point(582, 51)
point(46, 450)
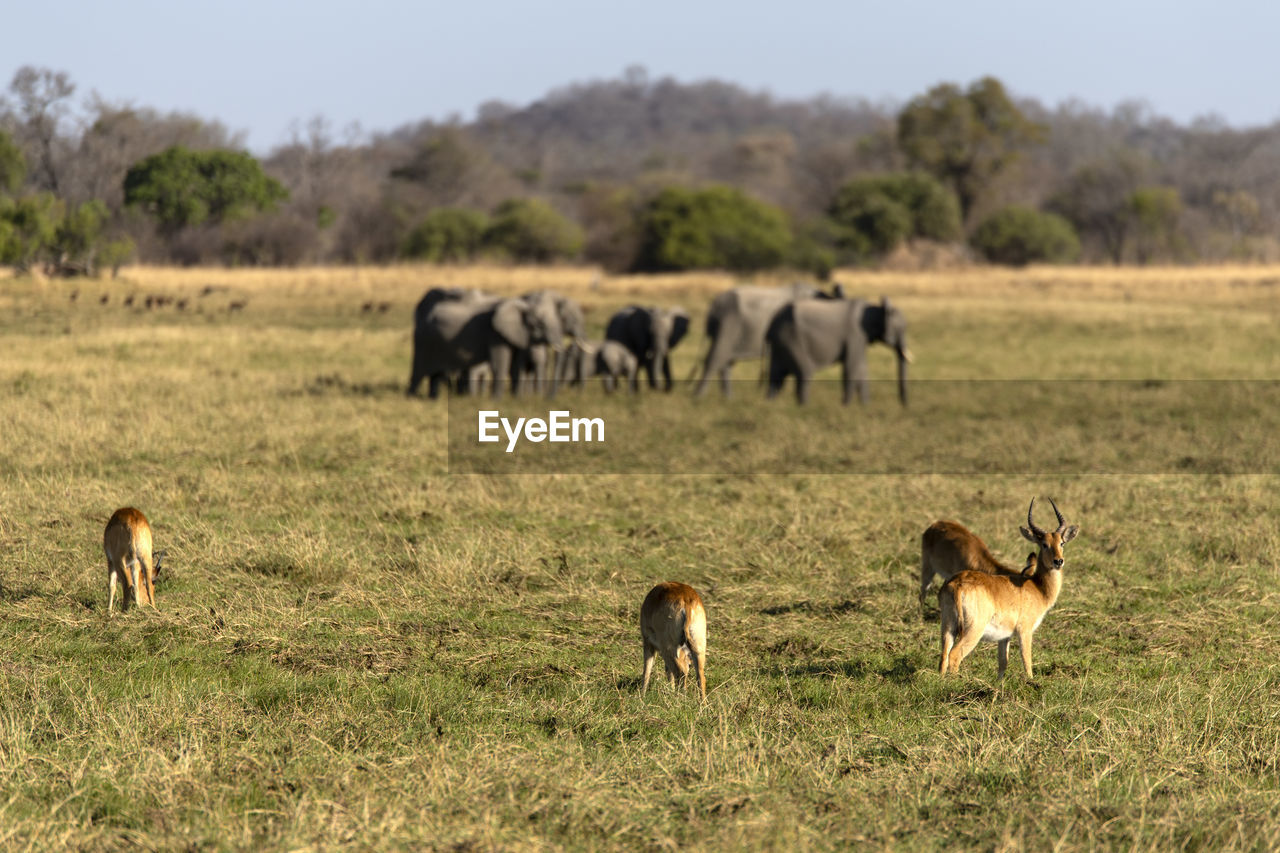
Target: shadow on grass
point(13, 595)
point(901, 670)
point(827, 610)
point(334, 384)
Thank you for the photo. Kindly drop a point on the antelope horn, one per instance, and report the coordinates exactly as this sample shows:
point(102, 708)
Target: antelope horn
point(1062, 522)
point(1031, 525)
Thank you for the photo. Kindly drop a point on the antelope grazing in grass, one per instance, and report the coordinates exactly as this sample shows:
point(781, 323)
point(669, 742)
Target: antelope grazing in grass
point(948, 548)
point(673, 623)
point(127, 543)
point(979, 606)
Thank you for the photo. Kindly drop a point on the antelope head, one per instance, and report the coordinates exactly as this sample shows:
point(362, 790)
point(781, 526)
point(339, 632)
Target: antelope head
point(1049, 542)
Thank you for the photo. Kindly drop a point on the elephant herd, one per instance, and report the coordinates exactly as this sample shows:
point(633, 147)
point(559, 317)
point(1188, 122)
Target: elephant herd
point(465, 338)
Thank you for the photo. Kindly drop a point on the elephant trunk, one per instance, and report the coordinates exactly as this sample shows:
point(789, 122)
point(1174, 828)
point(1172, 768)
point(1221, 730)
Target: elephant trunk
point(904, 358)
point(659, 358)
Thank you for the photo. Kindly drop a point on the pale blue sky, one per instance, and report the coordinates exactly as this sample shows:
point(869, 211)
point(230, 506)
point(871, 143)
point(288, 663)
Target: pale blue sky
point(259, 66)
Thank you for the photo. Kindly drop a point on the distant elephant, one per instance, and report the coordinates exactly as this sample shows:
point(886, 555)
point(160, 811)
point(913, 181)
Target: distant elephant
point(809, 334)
point(455, 334)
point(609, 360)
point(650, 334)
point(737, 321)
point(536, 364)
point(421, 344)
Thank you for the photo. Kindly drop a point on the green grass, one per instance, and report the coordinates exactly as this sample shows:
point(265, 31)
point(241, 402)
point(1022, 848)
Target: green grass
point(354, 648)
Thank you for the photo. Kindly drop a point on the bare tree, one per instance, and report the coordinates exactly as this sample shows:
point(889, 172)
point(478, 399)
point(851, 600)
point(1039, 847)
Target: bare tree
point(42, 104)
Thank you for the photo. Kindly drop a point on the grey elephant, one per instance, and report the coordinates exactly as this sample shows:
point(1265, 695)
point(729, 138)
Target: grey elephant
point(422, 343)
point(454, 333)
point(737, 321)
point(809, 334)
point(650, 334)
point(534, 367)
point(582, 360)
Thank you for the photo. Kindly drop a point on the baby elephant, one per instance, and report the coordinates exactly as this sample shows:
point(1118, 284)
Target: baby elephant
point(673, 623)
point(609, 360)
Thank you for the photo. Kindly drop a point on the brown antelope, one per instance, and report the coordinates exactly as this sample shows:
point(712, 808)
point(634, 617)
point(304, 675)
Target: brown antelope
point(979, 606)
point(948, 548)
point(127, 543)
point(673, 623)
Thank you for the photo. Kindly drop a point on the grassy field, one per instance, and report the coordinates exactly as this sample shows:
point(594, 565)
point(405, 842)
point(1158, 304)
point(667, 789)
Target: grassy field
point(356, 649)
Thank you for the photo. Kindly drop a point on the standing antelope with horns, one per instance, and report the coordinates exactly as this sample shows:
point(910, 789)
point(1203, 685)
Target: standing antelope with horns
point(673, 622)
point(978, 606)
point(127, 543)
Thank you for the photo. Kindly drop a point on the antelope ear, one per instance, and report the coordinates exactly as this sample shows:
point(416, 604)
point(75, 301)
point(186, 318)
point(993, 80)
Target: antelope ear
point(1028, 535)
point(508, 321)
point(1070, 533)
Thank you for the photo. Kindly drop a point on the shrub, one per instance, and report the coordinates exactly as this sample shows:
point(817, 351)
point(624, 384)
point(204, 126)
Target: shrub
point(713, 228)
point(529, 229)
point(446, 235)
point(181, 188)
point(27, 229)
point(878, 212)
point(1019, 235)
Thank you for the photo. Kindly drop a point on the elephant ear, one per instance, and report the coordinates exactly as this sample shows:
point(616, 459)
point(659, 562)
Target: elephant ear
point(509, 322)
point(571, 319)
point(679, 325)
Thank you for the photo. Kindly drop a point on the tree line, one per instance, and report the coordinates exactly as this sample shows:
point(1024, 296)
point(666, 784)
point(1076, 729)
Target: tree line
point(636, 174)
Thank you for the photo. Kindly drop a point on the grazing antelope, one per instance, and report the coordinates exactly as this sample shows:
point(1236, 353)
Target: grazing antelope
point(948, 548)
point(127, 543)
point(980, 606)
point(673, 623)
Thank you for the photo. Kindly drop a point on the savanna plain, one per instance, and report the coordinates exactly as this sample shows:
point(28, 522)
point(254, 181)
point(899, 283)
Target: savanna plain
point(355, 648)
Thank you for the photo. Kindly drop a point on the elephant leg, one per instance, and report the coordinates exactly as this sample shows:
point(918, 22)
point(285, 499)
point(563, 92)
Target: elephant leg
point(433, 386)
point(777, 375)
point(500, 361)
point(719, 360)
point(803, 377)
point(855, 378)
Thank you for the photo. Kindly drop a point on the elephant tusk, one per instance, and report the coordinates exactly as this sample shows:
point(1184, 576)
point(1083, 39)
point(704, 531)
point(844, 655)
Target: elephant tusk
point(907, 356)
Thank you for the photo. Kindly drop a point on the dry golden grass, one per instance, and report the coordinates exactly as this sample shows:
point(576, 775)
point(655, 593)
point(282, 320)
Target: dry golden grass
point(356, 650)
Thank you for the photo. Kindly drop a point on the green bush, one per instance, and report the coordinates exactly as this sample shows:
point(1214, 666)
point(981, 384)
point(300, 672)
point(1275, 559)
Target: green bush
point(446, 235)
point(27, 229)
point(713, 228)
point(529, 229)
point(1019, 235)
point(878, 212)
point(181, 188)
point(115, 254)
